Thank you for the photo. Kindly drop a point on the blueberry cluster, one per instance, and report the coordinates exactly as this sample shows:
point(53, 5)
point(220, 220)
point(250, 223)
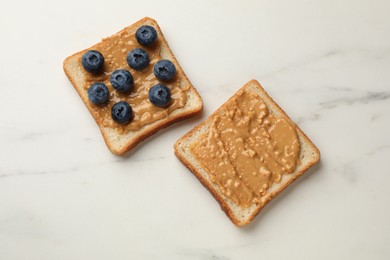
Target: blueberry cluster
point(122, 80)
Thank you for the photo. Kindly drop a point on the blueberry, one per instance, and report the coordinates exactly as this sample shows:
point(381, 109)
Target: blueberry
point(146, 35)
point(92, 61)
point(164, 70)
point(138, 59)
point(122, 112)
point(159, 95)
point(98, 93)
point(122, 80)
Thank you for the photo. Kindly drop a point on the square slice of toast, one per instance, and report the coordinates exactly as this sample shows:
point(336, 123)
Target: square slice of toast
point(147, 119)
point(246, 152)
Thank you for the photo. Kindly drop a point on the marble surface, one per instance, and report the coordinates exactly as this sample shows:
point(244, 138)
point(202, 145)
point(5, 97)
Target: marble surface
point(63, 195)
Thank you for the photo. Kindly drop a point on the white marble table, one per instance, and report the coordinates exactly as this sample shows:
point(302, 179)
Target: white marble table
point(63, 195)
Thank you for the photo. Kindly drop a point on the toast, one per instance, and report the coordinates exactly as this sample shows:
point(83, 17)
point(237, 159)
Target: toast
point(147, 119)
point(244, 152)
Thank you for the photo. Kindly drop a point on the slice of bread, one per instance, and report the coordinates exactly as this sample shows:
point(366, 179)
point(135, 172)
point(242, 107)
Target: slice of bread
point(308, 155)
point(118, 138)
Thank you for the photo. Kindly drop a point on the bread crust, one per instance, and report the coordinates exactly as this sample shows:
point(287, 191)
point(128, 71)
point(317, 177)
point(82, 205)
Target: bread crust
point(147, 130)
point(208, 185)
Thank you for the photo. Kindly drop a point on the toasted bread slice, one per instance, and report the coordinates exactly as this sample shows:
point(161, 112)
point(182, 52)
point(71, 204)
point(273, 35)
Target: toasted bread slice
point(119, 138)
point(240, 215)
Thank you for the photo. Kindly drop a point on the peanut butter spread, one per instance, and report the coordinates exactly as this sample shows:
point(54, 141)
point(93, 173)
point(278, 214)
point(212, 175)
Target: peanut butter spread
point(115, 50)
point(246, 149)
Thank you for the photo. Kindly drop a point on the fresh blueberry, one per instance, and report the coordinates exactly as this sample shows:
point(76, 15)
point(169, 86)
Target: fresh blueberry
point(92, 61)
point(146, 35)
point(138, 59)
point(164, 70)
point(122, 112)
point(159, 95)
point(122, 80)
point(98, 93)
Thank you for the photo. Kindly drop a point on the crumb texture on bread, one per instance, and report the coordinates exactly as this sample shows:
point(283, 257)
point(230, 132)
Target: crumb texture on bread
point(242, 214)
point(147, 119)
